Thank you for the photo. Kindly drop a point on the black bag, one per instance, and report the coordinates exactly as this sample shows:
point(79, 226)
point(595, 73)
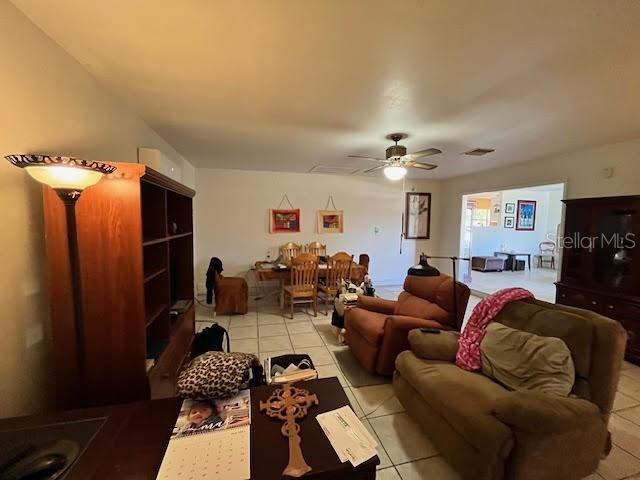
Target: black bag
point(210, 339)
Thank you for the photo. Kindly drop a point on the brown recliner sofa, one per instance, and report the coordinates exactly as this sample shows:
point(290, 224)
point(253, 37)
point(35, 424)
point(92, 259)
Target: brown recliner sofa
point(488, 432)
point(377, 329)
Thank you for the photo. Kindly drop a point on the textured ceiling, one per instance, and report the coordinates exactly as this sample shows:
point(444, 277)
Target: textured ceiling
point(286, 85)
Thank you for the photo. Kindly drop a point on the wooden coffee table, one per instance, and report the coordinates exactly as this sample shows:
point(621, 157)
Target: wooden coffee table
point(134, 436)
point(270, 449)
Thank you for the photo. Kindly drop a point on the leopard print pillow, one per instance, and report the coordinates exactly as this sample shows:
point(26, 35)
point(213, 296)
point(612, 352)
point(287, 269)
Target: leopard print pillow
point(215, 375)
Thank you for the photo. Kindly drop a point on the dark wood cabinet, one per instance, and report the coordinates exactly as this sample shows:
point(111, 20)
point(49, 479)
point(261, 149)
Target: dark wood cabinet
point(135, 236)
point(601, 261)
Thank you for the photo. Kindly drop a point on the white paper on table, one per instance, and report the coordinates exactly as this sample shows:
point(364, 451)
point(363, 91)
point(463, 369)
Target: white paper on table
point(347, 435)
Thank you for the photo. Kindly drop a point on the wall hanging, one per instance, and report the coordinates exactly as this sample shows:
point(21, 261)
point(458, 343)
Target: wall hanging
point(526, 218)
point(417, 216)
point(330, 221)
point(509, 222)
point(284, 220)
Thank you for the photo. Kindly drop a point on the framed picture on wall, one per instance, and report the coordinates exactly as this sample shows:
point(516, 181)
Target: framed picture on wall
point(509, 222)
point(526, 217)
point(510, 208)
point(417, 216)
point(285, 221)
point(330, 221)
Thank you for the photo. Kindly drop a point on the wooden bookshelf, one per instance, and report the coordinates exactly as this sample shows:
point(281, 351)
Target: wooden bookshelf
point(135, 233)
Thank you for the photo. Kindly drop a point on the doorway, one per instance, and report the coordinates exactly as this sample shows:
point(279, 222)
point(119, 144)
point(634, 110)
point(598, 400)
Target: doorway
point(511, 237)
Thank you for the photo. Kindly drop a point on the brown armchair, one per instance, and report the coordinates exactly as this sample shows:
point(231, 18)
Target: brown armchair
point(377, 329)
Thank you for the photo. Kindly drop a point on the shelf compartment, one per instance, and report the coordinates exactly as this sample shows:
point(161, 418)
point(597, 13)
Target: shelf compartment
point(153, 200)
point(179, 213)
point(155, 241)
point(153, 273)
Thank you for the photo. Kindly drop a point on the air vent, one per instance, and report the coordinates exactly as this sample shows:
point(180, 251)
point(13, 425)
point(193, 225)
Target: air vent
point(478, 152)
point(333, 170)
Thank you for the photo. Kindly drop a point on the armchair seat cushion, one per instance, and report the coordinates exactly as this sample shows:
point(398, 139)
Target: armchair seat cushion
point(369, 325)
point(466, 400)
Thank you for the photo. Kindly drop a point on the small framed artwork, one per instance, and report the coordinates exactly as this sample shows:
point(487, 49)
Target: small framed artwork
point(285, 221)
point(510, 208)
point(509, 222)
point(526, 218)
point(330, 221)
point(417, 216)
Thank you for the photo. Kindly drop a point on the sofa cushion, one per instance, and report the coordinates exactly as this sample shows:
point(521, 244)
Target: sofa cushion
point(526, 361)
point(369, 325)
point(542, 319)
point(464, 399)
point(411, 306)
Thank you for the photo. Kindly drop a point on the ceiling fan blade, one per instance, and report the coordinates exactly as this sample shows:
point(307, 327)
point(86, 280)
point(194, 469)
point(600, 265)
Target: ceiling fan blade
point(368, 158)
point(421, 166)
point(422, 153)
point(373, 169)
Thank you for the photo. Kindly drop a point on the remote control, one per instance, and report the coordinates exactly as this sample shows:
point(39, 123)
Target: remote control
point(429, 330)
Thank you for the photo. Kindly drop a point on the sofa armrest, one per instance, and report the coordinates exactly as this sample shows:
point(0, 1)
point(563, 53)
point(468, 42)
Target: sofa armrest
point(537, 412)
point(394, 339)
point(439, 346)
point(375, 304)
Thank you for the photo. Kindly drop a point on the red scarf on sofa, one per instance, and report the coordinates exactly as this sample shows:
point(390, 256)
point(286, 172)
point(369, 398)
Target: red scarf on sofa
point(468, 356)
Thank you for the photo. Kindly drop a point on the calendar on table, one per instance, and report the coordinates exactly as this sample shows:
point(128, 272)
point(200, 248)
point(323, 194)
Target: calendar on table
point(211, 439)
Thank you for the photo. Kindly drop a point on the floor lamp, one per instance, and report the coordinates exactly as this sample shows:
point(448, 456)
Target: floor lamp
point(68, 176)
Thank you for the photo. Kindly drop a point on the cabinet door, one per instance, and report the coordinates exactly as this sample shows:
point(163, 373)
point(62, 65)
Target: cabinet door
point(575, 244)
point(615, 259)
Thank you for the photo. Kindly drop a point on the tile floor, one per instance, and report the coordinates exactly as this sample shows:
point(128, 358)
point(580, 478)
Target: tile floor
point(405, 451)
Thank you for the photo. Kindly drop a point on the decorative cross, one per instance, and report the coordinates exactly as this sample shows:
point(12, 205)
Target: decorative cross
point(290, 403)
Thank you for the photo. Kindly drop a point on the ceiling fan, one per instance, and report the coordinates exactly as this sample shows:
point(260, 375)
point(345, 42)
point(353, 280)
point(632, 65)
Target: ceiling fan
point(397, 159)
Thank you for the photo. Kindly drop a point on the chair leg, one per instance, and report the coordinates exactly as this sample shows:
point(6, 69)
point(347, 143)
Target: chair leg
point(315, 305)
point(291, 307)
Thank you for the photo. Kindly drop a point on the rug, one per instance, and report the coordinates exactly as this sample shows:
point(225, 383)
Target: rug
point(355, 373)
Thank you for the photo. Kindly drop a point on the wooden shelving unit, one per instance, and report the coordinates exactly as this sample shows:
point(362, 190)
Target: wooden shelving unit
point(135, 232)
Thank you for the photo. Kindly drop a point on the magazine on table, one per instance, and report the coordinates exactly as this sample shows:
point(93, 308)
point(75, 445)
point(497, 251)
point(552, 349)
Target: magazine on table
point(202, 416)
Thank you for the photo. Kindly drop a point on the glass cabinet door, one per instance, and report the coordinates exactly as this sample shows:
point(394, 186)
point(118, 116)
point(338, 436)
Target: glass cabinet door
point(615, 252)
point(575, 250)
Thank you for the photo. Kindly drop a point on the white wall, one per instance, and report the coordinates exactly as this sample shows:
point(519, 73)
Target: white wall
point(487, 240)
point(50, 104)
point(232, 217)
point(582, 170)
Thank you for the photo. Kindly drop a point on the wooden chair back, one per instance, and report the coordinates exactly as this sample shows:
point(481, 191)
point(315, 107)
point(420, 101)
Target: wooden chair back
point(547, 248)
point(304, 273)
point(290, 250)
point(317, 249)
point(338, 268)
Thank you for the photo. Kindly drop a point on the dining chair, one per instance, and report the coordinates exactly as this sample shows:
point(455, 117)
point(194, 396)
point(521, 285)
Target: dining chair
point(358, 274)
point(289, 251)
point(303, 286)
point(338, 268)
point(318, 249)
point(547, 254)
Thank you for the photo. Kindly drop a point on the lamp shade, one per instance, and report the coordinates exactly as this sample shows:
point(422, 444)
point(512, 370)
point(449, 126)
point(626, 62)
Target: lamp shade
point(394, 172)
point(62, 173)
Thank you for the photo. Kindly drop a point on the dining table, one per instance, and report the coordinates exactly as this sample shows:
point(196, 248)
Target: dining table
point(266, 271)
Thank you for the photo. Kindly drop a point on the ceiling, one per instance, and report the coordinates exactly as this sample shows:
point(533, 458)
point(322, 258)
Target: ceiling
point(289, 84)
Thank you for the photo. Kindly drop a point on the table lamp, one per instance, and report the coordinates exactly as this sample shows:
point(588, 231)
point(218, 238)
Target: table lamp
point(68, 176)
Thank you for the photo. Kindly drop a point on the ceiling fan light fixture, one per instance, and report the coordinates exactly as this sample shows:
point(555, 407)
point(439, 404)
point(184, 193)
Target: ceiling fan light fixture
point(394, 172)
